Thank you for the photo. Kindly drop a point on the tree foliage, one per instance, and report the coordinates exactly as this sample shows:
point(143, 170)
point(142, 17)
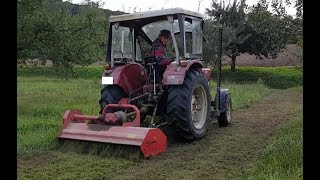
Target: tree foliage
point(232, 17)
point(255, 30)
point(66, 34)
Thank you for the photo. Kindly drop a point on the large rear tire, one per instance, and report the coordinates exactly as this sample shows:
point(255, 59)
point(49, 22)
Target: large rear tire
point(188, 106)
point(111, 95)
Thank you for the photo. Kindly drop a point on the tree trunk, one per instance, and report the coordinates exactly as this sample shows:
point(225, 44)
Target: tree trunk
point(233, 63)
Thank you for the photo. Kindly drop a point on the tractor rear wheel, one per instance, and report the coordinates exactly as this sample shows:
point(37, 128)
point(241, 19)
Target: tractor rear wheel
point(111, 95)
point(189, 106)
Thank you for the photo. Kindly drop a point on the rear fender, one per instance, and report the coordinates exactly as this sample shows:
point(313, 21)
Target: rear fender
point(129, 77)
point(174, 74)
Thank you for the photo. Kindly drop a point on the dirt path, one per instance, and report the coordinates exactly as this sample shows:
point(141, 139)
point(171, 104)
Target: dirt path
point(222, 153)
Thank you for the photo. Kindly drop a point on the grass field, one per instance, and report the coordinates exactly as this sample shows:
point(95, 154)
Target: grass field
point(43, 96)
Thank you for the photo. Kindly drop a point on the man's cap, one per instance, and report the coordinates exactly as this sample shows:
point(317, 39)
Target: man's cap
point(165, 33)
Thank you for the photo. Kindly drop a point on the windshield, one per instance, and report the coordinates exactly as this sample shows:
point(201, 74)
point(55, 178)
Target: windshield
point(193, 36)
point(152, 31)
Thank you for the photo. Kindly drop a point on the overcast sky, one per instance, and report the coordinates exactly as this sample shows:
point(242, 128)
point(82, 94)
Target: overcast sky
point(145, 5)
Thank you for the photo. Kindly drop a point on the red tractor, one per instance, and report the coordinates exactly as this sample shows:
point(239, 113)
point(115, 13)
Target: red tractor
point(134, 103)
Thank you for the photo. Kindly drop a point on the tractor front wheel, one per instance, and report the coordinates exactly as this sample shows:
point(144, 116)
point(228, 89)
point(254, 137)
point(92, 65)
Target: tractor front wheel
point(111, 95)
point(189, 106)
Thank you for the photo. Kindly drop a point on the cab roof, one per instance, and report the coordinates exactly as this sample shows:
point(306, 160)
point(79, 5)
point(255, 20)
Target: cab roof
point(153, 13)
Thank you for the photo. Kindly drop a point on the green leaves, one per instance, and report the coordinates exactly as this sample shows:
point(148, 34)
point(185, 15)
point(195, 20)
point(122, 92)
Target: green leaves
point(255, 30)
point(49, 30)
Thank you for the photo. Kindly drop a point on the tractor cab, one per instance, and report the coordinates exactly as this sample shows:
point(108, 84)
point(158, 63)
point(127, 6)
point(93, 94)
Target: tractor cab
point(131, 35)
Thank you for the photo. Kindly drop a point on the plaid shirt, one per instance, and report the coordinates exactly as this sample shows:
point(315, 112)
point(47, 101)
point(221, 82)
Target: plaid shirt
point(158, 51)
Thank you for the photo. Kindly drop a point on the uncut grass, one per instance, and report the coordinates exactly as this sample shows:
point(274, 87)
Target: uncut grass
point(283, 157)
point(41, 103)
point(273, 77)
point(242, 95)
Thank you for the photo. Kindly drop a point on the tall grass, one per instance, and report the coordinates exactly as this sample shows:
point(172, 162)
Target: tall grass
point(41, 103)
point(273, 77)
point(282, 159)
point(242, 95)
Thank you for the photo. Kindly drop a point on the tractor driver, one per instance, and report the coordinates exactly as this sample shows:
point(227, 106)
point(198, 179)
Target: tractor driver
point(159, 47)
point(158, 51)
